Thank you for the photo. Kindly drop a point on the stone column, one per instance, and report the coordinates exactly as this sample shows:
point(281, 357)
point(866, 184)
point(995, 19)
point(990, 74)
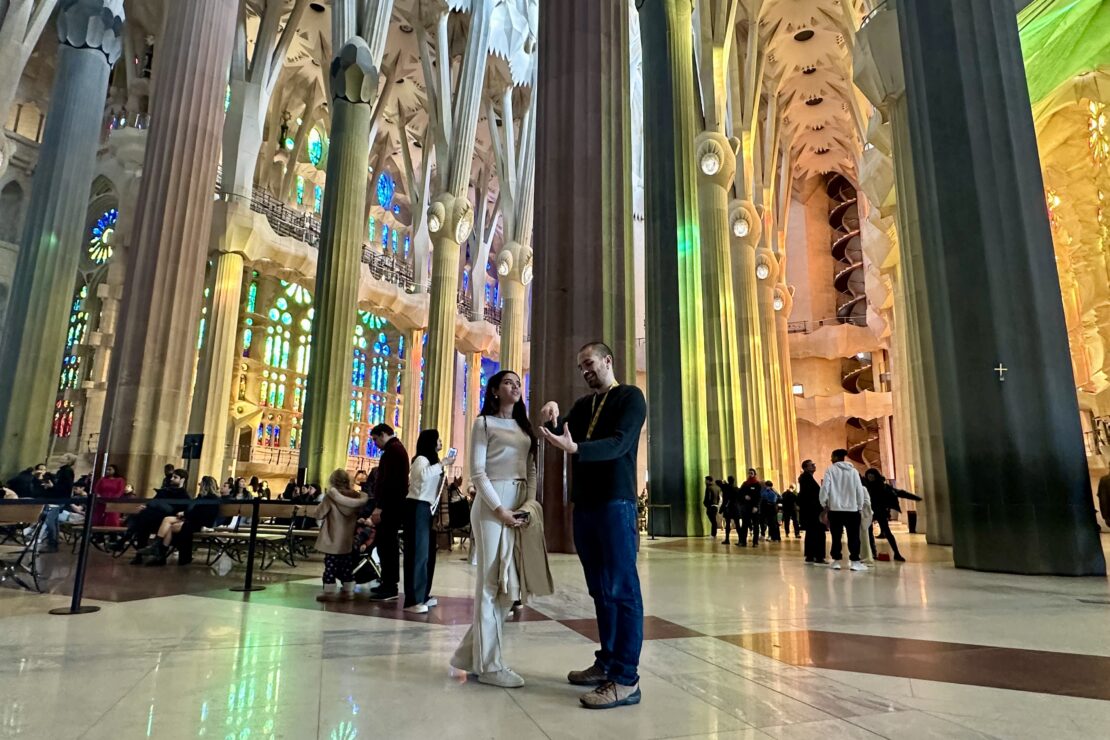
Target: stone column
point(879, 73)
point(1008, 410)
point(410, 387)
point(214, 390)
point(766, 273)
point(450, 221)
point(514, 267)
point(747, 229)
point(792, 464)
point(583, 290)
point(473, 404)
point(156, 356)
point(716, 158)
point(354, 82)
point(678, 458)
point(39, 305)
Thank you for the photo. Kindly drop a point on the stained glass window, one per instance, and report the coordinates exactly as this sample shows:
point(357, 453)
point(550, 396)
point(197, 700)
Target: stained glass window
point(70, 377)
point(408, 245)
point(395, 241)
point(203, 319)
point(102, 237)
point(385, 238)
point(252, 296)
point(297, 293)
point(370, 228)
point(315, 147)
point(386, 188)
point(318, 199)
point(63, 418)
point(300, 190)
point(227, 98)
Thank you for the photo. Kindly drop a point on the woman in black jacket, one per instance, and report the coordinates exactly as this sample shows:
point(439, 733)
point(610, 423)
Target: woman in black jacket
point(883, 499)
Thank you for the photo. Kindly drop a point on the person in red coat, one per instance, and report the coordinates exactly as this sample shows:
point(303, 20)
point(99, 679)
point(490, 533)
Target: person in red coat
point(111, 486)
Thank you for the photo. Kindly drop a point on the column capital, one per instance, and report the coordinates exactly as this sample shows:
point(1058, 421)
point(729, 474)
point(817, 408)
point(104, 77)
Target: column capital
point(784, 299)
point(92, 24)
point(354, 77)
point(716, 157)
point(514, 262)
point(766, 265)
point(452, 217)
point(745, 223)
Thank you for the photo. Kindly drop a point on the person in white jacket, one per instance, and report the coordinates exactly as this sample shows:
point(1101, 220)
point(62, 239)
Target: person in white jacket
point(843, 497)
point(426, 474)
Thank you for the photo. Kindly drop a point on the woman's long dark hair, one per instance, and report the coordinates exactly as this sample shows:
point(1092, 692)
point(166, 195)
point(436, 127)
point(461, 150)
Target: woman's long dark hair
point(491, 405)
point(426, 445)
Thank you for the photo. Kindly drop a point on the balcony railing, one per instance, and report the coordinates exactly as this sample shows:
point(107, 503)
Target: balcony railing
point(808, 327)
point(305, 227)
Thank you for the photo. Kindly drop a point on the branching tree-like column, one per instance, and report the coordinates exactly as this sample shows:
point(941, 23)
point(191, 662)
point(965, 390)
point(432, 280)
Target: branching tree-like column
point(516, 167)
point(42, 290)
point(151, 388)
point(716, 158)
point(354, 82)
point(252, 85)
point(450, 215)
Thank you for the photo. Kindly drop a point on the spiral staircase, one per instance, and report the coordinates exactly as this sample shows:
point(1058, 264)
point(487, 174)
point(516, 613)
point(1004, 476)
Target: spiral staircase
point(847, 250)
point(857, 373)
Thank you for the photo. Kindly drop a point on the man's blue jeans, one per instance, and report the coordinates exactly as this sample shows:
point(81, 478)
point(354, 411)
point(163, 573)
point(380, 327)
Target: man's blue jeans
point(606, 537)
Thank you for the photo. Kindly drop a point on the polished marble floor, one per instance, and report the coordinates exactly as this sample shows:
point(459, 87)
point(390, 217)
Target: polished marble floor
point(742, 643)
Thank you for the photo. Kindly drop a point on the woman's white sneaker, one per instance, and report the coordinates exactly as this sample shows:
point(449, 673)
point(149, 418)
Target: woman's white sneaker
point(504, 678)
point(417, 609)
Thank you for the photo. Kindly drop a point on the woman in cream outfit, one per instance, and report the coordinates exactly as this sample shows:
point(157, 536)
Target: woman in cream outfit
point(503, 470)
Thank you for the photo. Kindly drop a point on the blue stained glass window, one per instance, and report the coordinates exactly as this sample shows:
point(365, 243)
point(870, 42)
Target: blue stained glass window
point(466, 281)
point(318, 199)
point(315, 147)
point(395, 241)
point(371, 228)
point(227, 98)
point(385, 237)
point(300, 190)
point(252, 297)
point(386, 188)
point(101, 237)
point(408, 245)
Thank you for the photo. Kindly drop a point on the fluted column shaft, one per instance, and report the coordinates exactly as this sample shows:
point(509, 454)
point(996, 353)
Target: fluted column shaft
point(327, 412)
point(583, 288)
point(1008, 410)
point(724, 398)
point(512, 324)
point(772, 374)
point(410, 387)
point(149, 410)
point(46, 271)
point(673, 267)
point(746, 231)
point(473, 404)
point(213, 390)
point(783, 304)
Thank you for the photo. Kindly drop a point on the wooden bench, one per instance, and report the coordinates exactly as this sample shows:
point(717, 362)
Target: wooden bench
point(233, 541)
point(296, 540)
point(124, 507)
point(26, 555)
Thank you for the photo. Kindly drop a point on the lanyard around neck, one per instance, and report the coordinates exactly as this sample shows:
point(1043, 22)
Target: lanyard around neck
point(596, 408)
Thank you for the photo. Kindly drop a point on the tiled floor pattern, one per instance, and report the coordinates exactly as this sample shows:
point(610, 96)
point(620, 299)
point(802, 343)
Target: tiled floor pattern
point(744, 646)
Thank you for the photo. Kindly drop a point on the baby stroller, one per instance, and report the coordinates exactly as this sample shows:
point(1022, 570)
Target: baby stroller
point(367, 569)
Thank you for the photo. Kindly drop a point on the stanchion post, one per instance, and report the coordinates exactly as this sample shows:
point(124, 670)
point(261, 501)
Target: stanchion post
point(248, 582)
point(75, 606)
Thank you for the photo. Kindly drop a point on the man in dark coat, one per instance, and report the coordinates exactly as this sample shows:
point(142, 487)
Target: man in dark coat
point(751, 497)
point(712, 503)
point(809, 502)
point(390, 490)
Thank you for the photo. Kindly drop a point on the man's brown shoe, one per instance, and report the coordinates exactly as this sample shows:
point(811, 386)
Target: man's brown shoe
point(592, 676)
point(609, 695)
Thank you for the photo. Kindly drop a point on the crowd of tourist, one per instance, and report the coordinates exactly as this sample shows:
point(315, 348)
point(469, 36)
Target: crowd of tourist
point(842, 503)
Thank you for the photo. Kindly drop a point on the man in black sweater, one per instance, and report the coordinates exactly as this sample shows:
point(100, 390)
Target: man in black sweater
point(390, 489)
point(602, 435)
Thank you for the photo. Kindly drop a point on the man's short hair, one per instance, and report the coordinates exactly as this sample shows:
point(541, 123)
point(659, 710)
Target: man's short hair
point(382, 429)
point(807, 461)
point(167, 468)
point(838, 455)
point(709, 478)
point(599, 348)
point(181, 473)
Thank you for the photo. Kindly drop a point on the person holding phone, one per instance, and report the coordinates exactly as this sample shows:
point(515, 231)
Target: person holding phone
point(503, 470)
point(426, 476)
point(601, 434)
